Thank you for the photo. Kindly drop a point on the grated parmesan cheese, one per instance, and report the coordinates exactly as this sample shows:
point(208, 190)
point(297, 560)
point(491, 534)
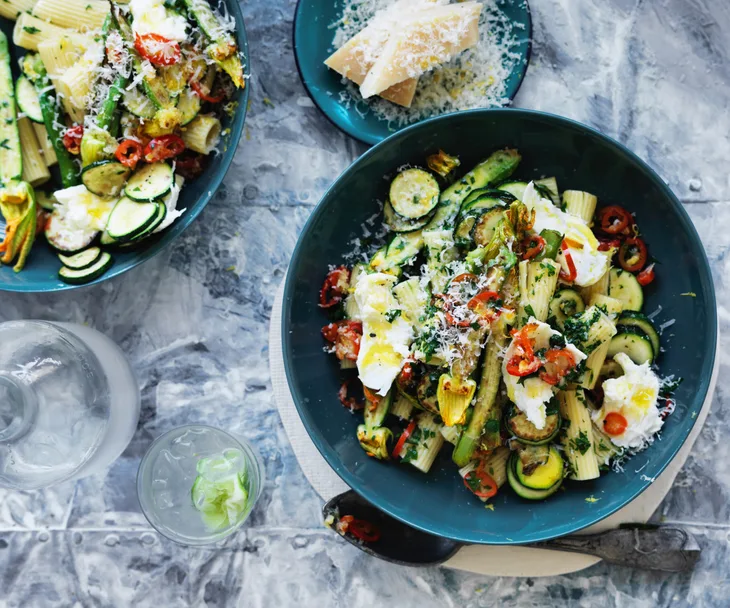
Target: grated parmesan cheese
point(475, 78)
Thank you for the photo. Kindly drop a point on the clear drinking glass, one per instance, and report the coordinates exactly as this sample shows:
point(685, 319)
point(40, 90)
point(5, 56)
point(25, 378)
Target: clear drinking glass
point(69, 403)
point(197, 484)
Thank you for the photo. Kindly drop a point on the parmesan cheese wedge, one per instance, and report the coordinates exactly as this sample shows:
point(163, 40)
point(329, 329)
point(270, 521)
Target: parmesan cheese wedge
point(423, 42)
point(354, 59)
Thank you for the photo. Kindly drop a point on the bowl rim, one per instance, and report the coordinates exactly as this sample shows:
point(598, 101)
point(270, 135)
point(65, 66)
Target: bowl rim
point(374, 140)
point(165, 240)
point(561, 529)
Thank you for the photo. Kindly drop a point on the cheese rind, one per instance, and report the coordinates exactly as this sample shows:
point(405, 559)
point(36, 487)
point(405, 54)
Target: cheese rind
point(425, 41)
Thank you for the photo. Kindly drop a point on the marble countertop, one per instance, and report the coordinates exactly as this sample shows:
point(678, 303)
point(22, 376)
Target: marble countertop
point(654, 74)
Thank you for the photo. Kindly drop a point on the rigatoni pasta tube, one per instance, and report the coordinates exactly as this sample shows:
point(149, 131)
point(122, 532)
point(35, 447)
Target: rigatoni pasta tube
point(429, 443)
point(49, 154)
point(202, 133)
point(580, 204)
point(597, 329)
point(402, 406)
point(77, 81)
point(578, 438)
point(35, 171)
point(538, 281)
point(29, 31)
point(600, 287)
point(611, 306)
point(602, 334)
point(495, 465)
point(451, 434)
point(58, 56)
point(12, 9)
point(74, 14)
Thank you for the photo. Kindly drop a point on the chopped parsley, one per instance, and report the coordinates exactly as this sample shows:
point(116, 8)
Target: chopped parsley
point(574, 375)
point(669, 387)
point(592, 499)
point(552, 406)
point(30, 29)
point(393, 314)
point(581, 443)
point(492, 426)
point(577, 328)
point(4, 144)
point(549, 268)
point(475, 485)
point(557, 341)
point(530, 310)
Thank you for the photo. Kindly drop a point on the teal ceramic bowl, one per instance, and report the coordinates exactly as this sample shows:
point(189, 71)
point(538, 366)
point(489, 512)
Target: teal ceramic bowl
point(581, 159)
point(313, 44)
point(41, 271)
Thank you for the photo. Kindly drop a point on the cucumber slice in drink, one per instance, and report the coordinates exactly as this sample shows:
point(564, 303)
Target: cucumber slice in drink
point(220, 490)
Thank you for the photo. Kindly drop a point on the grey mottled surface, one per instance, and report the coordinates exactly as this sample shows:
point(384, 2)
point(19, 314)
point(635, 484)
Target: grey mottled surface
point(654, 74)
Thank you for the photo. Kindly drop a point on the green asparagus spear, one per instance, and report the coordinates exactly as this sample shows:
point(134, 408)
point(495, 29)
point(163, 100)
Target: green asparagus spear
point(34, 69)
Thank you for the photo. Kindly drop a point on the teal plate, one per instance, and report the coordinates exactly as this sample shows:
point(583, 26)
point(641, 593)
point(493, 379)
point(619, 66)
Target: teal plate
point(41, 271)
point(313, 44)
point(581, 159)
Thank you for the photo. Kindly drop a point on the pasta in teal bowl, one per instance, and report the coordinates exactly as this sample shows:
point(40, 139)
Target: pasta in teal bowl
point(124, 129)
point(520, 325)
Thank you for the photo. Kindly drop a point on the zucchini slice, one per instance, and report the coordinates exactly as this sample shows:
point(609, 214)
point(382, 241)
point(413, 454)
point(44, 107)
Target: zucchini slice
point(150, 182)
point(565, 303)
point(398, 223)
point(189, 106)
point(490, 198)
point(82, 259)
point(472, 196)
point(469, 217)
point(139, 104)
point(27, 98)
point(462, 234)
point(548, 188)
point(156, 222)
point(544, 476)
point(528, 433)
point(414, 193)
point(67, 240)
point(624, 287)
point(106, 239)
point(486, 225)
point(524, 491)
point(427, 391)
point(376, 416)
point(129, 219)
point(516, 189)
point(635, 343)
point(401, 249)
point(86, 275)
point(631, 318)
point(105, 177)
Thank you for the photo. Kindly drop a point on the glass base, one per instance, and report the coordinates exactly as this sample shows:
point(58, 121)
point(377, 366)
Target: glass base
point(172, 467)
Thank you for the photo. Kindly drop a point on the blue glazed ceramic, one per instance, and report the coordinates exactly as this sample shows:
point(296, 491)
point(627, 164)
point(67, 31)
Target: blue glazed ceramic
point(313, 44)
point(41, 270)
point(581, 159)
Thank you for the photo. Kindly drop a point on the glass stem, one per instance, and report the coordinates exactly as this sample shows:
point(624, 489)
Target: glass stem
point(18, 408)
